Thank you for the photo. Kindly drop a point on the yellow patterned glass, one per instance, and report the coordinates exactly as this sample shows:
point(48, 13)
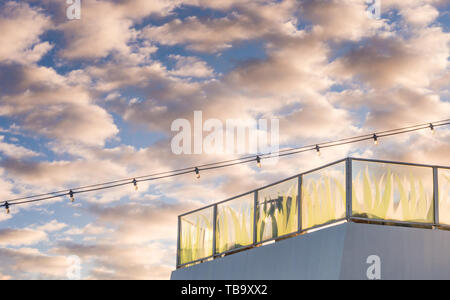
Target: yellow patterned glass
point(234, 228)
point(196, 239)
point(392, 192)
point(277, 212)
point(444, 196)
point(323, 196)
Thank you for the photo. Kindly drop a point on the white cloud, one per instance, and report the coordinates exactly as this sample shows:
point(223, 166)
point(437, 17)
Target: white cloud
point(21, 27)
point(14, 151)
point(191, 67)
point(52, 226)
point(21, 237)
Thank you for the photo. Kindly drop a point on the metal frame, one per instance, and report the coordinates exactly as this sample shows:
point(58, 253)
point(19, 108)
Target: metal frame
point(436, 195)
point(349, 214)
point(299, 204)
point(393, 221)
point(348, 188)
point(178, 240)
point(323, 225)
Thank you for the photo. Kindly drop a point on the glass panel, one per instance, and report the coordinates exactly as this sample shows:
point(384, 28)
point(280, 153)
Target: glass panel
point(277, 212)
point(235, 223)
point(323, 196)
point(196, 235)
point(444, 196)
point(392, 192)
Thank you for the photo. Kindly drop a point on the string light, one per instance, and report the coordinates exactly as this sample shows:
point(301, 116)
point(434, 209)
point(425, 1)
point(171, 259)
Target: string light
point(135, 184)
point(258, 161)
point(72, 198)
point(221, 164)
point(433, 131)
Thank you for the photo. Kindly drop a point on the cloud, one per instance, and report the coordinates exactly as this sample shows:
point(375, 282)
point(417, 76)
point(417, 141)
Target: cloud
point(89, 229)
point(20, 237)
point(21, 26)
point(52, 226)
point(294, 66)
point(47, 103)
point(406, 107)
point(388, 62)
point(243, 21)
point(106, 27)
point(29, 263)
point(139, 223)
point(190, 67)
point(115, 261)
point(141, 246)
point(340, 20)
point(421, 15)
point(5, 277)
point(14, 151)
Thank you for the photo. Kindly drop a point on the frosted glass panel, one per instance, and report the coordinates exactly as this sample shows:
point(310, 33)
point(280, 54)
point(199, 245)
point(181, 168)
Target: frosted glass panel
point(277, 212)
point(196, 239)
point(235, 223)
point(444, 196)
point(392, 192)
point(323, 196)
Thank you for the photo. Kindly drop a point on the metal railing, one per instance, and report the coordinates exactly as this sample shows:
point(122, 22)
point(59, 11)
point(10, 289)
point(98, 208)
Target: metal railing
point(351, 189)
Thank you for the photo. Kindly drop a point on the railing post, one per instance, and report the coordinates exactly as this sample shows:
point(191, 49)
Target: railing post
point(214, 229)
point(299, 203)
point(178, 241)
point(348, 189)
point(436, 195)
point(255, 207)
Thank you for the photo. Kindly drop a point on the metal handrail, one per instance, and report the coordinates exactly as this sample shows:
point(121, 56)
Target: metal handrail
point(348, 216)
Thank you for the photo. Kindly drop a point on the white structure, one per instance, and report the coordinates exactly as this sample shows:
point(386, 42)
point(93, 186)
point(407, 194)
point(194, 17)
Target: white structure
point(352, 219)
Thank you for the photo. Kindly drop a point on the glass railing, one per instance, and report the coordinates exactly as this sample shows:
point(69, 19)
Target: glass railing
point(323, 195)
point(444, 195)
point(392, 192)
point(196, 235)
point(277, 210)
point(349, 189)
point(234, 223)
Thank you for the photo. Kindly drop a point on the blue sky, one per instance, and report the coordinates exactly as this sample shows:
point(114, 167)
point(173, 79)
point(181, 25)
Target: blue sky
point(92, 100)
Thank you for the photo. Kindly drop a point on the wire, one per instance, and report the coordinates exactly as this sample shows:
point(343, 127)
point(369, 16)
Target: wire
point(220, 164)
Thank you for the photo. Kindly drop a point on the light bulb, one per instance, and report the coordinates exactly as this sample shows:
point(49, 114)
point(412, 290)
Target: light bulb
point(7, 208)
point(318, 150)
point(72, 198)
point(375, 139)
point(135, 184)
point(197, 173)
point(258, 161)
point(433, 131)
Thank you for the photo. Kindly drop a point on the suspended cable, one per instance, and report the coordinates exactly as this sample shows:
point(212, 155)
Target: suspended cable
point(220, 164)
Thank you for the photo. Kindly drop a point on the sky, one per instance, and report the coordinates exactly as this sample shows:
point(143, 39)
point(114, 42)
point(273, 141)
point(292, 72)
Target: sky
point(92, 100)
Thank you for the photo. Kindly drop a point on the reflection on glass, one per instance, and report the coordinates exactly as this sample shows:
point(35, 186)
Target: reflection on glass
point(392, 192)
point(277, 212)
point(196, 235)
point(323, 196)
point(444, 196)
point(235, 223)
